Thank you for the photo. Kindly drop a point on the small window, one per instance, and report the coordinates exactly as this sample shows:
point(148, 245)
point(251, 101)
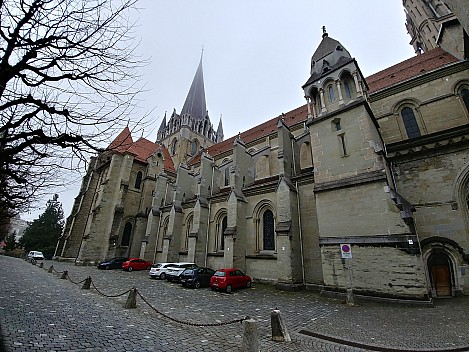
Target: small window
point(174, 146)
point(330, 90)
point(410, 123)
point(465, 97)
point(348, 92)
point(337, 125)
point(194, 147)
point(138, 180)
point(227, 176)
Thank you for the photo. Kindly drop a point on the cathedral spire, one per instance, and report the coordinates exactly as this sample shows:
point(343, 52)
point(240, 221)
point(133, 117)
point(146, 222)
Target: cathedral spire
point(220, 131)
point(195, 102)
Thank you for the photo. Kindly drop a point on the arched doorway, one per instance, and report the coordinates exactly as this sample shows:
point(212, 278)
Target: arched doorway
point(439, 268)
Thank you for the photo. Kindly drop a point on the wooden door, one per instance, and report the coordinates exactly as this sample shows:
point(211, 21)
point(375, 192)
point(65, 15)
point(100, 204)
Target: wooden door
point(442, 280)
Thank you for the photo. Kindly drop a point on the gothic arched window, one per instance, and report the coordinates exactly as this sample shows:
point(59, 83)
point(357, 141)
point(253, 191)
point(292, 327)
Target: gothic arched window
point(224, 225)
point(174, 146)
point(138, 180)
point(126, 235)
point(194, 147)
point(330, 90)
point(268, 231)
point(465, 97)
point(410, 122)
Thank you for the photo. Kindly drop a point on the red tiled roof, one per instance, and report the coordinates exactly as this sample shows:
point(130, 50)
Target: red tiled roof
point(410, 68)
point(142, 149)
point(290, 118)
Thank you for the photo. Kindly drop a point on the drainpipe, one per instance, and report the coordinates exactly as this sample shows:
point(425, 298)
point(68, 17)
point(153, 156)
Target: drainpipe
point(209, 213)
point(299, 217)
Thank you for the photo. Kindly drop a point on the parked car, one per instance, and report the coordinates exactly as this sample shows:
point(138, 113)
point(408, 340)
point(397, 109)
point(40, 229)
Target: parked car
point(114, 263)
point(196, 277)
point(34, 256)
point(175, 270)
point(229, 279)
point(136, 264)
point(158, 270)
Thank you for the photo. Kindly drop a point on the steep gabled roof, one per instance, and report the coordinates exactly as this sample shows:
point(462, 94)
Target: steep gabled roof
point(142, 149)
point(410, 68)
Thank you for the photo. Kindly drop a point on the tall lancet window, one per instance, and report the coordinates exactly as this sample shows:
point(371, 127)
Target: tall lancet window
point(410, 123)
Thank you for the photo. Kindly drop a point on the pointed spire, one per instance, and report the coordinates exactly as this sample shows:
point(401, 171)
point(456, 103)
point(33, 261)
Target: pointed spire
point(195, 101)
point(160, 133)
point(220, 131)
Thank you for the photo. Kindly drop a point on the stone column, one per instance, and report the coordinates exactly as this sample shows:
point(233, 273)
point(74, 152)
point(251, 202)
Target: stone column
point(308, 103)
point(323, 102)
point(357, 84)
point(341, 99)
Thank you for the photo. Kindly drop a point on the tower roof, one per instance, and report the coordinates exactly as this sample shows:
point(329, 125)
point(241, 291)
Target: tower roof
point(195, 102)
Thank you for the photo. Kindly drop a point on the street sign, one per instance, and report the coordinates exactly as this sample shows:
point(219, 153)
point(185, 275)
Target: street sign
point(346, 250)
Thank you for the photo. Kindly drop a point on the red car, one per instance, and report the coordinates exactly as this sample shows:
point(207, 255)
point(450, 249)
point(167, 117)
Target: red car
point(136, 264)
point(228, 279)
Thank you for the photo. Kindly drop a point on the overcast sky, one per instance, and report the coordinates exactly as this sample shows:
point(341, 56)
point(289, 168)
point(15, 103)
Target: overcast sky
point(256, 56)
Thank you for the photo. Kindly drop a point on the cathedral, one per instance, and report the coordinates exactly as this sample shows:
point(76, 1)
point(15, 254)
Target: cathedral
point(377, 165)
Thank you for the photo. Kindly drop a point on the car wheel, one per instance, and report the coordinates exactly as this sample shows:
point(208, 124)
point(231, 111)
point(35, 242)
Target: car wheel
point(248, 284)
point(196, 284)
point(229, 288)
point(212, 288)
point(107, 267)
point(148, 267)
point(162, 276)
point(130, 268)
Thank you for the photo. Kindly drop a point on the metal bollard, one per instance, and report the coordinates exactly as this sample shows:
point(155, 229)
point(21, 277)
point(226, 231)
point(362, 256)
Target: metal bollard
point(51, 268)
point(86, 284)
point(132, 299)
point(279, 329)
point(250, 338)
point(41, 265)
point(64, 274)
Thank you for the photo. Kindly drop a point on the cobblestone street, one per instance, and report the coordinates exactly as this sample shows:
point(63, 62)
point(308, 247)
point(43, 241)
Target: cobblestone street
point(41, 312)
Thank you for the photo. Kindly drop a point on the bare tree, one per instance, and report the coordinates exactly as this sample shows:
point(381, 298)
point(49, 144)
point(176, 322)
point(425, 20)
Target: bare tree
point(68, 79)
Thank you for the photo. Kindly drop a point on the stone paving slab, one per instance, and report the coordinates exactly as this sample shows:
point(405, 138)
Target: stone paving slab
point(39, 311)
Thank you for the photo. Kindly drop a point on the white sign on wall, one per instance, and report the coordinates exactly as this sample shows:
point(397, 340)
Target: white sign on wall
point(346, 250)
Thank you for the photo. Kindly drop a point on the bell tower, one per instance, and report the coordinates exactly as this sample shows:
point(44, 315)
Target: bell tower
point(432, 23)
point(186, 133)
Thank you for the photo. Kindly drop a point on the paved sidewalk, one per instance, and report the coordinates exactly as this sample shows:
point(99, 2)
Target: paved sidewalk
point(41, 312)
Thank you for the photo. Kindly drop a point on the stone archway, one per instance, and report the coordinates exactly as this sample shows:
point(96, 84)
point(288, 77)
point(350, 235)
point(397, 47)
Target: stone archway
point(441, 274)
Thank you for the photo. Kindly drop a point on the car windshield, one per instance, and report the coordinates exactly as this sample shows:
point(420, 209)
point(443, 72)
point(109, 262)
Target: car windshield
point(188, 272)
point(220, 273)
point(156, 265)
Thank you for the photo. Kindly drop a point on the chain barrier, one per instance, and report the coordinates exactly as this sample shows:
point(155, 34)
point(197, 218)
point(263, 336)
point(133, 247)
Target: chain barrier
point(111, 296)
point(234, 321)
point(73, 282)
point(240, 320)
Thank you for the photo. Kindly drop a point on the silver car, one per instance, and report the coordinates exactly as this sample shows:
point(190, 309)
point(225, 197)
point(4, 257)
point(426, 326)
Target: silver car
point(35, 256)
point(158, 270)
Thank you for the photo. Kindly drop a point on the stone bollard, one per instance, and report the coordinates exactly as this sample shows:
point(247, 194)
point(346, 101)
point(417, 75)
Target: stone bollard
point(41, 264)
point(279, 329)
point(51, 268)
point(250, 338)
point(86, 284)
point(64, 274)
point(350, 300)
point(132, 299)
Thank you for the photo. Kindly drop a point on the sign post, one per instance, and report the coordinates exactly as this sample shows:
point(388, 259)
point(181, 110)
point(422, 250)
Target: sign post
point(346, 251)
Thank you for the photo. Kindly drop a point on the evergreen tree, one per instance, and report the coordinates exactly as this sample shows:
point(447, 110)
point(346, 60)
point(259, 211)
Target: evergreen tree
point(43, 233)
point(10, 242)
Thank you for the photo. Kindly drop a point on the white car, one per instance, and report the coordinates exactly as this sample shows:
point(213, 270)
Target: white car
point(158, 270)
point(35, 256)
point(175, 270)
